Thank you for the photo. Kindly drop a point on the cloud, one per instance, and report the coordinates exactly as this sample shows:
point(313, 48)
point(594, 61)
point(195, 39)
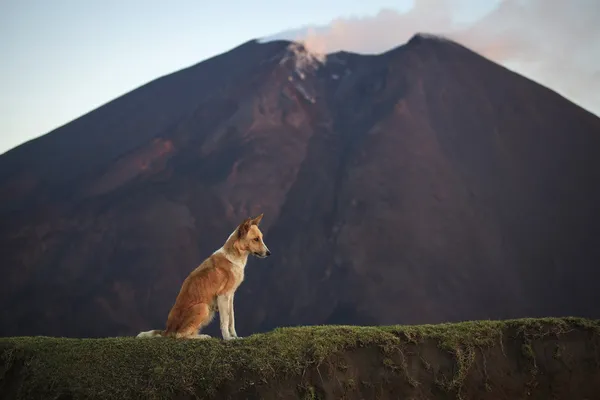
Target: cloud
point(557, 45)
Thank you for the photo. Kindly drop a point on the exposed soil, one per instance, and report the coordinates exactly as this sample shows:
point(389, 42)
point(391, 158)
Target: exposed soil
point(518, 359)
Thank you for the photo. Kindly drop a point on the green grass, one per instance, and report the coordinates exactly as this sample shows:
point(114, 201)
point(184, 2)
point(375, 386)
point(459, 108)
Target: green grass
point(157, 368)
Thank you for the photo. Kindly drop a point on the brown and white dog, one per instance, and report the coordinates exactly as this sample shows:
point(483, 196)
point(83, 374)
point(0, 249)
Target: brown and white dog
point(213, 283)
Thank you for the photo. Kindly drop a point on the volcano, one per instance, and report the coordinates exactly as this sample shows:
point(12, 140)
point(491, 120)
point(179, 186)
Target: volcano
point(422, 185)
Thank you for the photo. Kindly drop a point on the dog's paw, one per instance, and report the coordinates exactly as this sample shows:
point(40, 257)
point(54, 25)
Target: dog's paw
point(200, 337)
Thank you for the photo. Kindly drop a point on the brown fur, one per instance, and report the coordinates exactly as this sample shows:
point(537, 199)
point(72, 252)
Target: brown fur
point(218, 276)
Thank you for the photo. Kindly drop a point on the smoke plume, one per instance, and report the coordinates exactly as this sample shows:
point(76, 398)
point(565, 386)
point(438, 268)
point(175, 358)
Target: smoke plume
point(556, 44)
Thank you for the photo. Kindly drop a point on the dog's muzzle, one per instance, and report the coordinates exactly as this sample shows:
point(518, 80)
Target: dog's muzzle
point(263, 255)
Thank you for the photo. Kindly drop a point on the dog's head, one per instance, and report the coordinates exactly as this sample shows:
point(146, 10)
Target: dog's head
point(250, 238)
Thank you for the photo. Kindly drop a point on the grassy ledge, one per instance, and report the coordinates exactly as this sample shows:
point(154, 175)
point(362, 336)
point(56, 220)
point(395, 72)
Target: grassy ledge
point(454, 360)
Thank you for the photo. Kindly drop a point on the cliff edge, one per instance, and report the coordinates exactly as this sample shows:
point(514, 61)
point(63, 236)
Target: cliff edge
point(512, 359)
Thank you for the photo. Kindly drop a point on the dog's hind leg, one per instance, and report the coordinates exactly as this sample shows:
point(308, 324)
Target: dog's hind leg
point(195, 318)
point(207, 321)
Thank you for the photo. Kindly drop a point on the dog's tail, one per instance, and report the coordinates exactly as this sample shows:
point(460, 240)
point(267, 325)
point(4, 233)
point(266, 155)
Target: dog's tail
point(150, 334)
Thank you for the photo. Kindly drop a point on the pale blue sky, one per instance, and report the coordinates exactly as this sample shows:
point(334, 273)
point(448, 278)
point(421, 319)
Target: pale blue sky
point(63, 58)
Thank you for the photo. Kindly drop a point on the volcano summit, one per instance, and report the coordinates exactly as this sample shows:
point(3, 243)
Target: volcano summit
point(421, 185)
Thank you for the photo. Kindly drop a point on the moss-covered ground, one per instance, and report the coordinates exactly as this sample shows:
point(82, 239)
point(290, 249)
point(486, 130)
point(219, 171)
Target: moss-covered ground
point(125, 367)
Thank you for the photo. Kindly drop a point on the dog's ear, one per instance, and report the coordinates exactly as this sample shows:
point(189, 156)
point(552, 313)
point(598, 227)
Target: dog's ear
point(244, 227)
point(257, 220)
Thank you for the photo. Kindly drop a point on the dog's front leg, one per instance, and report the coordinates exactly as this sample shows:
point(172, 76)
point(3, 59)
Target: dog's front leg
point(223, 304)
point(232, 317)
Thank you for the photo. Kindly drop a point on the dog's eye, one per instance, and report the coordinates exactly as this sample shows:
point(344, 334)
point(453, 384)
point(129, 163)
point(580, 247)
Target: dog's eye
point(256, 239)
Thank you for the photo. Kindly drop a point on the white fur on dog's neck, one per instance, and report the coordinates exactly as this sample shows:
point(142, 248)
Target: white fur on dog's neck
point(238, 261)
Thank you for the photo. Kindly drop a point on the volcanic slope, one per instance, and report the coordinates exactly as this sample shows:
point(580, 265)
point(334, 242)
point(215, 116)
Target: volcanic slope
point(422, 185)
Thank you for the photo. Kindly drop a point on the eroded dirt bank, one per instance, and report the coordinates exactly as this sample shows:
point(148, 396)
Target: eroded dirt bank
point(517, 359)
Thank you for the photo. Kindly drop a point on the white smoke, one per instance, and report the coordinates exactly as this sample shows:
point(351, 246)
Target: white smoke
point(557, 44)
point(305, 55)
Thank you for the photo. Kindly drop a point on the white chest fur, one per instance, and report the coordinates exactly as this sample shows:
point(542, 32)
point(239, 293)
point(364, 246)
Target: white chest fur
point(238, 266)
point(238, 273)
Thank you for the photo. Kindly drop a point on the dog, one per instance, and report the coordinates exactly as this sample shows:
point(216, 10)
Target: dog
point(211, 286)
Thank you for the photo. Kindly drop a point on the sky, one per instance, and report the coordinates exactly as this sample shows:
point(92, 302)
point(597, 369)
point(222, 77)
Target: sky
point(64, 58)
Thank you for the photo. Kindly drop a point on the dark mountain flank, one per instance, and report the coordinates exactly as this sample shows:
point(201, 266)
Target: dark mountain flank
point(422, 185)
